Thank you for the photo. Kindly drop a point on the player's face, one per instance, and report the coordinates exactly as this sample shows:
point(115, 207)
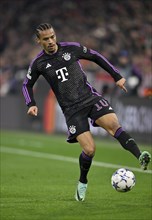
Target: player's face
point(47, 40)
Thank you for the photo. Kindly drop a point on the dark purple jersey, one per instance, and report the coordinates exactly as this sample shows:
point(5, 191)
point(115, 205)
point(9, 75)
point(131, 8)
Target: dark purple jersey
point(65, 75)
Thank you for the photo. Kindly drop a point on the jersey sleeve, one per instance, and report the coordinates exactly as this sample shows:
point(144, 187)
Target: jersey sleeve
point(92, 55)
point(29, 81)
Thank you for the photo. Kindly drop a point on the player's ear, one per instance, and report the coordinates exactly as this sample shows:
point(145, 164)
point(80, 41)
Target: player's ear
point(37, 40)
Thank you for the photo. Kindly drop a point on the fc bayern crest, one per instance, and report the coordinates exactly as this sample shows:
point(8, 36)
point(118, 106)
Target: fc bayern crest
point(66, 56)
point(72, 129)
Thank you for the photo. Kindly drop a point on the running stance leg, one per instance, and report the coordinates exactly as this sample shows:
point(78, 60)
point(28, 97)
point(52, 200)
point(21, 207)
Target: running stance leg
point(110, 123)
point(85, 160)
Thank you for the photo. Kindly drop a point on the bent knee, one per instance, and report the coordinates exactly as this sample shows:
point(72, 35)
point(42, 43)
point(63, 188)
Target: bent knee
point(112, 127)
point(109, 122)
point(89, 150)
point(87, 143)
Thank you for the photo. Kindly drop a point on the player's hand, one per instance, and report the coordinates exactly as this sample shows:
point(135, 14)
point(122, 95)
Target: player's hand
point(121, 84)
point(33, 110)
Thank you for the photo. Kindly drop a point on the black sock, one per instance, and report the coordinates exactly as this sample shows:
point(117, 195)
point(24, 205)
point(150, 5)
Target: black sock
point(127, 142)
point(85, 163)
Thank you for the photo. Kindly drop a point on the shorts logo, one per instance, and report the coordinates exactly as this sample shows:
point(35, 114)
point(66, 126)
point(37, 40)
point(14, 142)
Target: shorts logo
point(66, 56)
point(72, 129)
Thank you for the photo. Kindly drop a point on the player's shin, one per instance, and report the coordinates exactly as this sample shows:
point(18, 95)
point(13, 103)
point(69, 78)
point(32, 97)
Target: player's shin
point(85, 163)
point(127, 142)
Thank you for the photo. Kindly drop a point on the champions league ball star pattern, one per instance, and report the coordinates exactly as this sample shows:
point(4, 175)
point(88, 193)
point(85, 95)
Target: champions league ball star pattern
point(123, 180)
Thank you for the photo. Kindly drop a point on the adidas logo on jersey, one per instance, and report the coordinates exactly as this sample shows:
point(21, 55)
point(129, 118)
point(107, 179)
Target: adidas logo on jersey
point(48, 65)
point(110, 108)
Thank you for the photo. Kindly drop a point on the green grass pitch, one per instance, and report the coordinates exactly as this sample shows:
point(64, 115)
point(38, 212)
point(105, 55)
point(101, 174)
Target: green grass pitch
point(39, 174)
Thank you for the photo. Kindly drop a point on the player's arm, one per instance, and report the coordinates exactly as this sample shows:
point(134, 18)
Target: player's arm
point(27, 89)
point(92, 55)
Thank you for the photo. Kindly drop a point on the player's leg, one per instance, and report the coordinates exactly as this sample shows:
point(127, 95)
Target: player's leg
point(79, 131)
point(88, 150)
point(85, 160)
point(110, 123)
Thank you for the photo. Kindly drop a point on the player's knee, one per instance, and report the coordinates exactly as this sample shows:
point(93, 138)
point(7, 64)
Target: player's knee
point(113, 127)
point(90, 150)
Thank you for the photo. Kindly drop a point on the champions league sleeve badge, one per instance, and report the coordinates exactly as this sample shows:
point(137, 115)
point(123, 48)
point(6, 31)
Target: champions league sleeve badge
point(84, 49)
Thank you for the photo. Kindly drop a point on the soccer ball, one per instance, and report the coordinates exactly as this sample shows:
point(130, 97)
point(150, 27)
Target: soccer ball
point(123, 180)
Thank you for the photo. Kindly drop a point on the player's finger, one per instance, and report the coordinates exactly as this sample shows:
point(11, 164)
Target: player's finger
point(35, 113)
point(124, 88)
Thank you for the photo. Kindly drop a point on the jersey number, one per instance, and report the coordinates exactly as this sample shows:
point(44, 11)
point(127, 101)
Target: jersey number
point(102, 103)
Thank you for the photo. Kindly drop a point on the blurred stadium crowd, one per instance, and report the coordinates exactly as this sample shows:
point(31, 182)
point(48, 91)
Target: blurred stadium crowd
point(119, 29)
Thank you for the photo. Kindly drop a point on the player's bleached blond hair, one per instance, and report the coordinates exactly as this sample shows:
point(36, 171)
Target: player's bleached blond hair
point(42, 27)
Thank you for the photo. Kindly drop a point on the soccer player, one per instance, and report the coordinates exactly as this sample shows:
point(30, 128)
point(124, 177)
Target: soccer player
point(59, 64)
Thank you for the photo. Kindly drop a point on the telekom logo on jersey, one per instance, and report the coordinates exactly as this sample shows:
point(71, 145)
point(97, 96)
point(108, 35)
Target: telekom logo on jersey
point(62, 73)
